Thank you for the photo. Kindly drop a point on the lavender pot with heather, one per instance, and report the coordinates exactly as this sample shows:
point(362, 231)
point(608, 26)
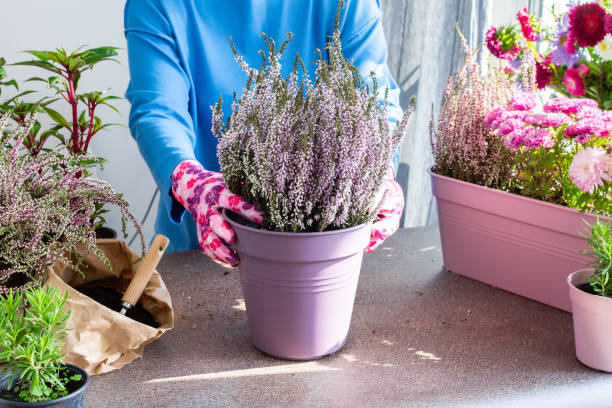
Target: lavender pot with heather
point(312, 155)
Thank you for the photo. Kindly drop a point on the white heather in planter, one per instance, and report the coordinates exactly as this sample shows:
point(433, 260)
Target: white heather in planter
point(311, 155)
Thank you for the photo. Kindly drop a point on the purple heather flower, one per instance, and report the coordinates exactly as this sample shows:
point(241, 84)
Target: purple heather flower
point(308, 153)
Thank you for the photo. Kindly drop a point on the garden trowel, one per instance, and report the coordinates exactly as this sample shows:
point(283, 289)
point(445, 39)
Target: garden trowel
point(144, 270)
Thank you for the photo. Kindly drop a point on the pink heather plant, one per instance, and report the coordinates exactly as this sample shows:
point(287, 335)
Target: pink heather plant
point(562, 150)
point(463, 145)
point(45, 209)
point(311, 155)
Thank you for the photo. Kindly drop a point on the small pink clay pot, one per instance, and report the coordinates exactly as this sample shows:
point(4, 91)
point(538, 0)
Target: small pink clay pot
point(592, 324)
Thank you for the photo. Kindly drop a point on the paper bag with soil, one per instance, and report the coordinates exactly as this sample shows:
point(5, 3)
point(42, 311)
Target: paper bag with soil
point(100, 339)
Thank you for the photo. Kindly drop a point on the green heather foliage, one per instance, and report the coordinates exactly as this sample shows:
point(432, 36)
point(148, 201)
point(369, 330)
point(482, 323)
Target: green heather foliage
point(32, 327)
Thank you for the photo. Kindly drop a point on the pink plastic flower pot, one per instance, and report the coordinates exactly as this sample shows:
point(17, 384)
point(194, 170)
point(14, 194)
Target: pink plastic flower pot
point(515, 243)
point(299, 288)
point(592, 324)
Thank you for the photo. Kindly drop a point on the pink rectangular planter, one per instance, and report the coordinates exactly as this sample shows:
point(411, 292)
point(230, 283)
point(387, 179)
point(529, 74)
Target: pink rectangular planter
point(515, 243)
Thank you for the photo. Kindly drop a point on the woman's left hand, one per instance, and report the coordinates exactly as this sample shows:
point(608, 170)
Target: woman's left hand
point(389, 211)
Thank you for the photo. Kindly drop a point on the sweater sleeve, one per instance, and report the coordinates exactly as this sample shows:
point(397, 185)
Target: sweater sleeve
point(159, 95)
point(363, 42)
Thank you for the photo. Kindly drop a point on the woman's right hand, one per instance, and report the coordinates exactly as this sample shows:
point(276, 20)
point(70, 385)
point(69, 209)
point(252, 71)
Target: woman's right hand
point(203, 193)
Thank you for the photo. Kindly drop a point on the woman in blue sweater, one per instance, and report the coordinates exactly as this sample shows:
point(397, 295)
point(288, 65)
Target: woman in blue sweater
point(180, 62)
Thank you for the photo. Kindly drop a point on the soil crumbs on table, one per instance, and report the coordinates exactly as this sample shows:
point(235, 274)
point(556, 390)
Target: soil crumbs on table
point(112, 299)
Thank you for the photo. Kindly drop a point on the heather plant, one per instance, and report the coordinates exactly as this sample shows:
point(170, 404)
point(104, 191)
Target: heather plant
point(32, 327)
point(599, 240)
point(45, 209)
point(562, 150)
point(464, 147)
point(311, 154)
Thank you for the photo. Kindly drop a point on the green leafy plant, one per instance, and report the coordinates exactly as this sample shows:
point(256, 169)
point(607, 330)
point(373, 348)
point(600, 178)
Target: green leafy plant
point(32, 329)
point(66, 72)
point(600, 249)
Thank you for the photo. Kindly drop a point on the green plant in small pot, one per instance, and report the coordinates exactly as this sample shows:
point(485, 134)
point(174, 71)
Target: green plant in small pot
point(591, 296)
point(32, 327)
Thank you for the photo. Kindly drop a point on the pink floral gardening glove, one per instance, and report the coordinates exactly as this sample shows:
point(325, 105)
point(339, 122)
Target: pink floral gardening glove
point(389, 211)
point(203, 193)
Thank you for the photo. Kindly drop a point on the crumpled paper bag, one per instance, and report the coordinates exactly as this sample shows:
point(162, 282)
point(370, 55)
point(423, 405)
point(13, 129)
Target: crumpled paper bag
point(99, 339)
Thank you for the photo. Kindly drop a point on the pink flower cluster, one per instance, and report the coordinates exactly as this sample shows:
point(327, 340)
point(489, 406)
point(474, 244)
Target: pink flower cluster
point(587, 119)
point(527, 28)
point(522, 127)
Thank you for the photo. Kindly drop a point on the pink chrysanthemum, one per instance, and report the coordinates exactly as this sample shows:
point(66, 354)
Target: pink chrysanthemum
point(493, 115)
point(526, 27)
point(584, 129)
point(535, 138)
point(509, 126)
point(514, 140)
point(590, 168)
point(498, 115)
point(573, 82)
point(608, 23)
point(497, 48)
point(553, 119)
point(587, 24)
point(523, 102)
point(568, 105)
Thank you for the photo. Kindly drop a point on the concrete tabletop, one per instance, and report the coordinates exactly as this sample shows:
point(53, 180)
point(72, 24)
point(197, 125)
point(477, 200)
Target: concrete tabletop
point(420, 337)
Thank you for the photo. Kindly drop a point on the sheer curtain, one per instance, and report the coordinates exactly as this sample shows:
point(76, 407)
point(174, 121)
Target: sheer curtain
point(424, 50)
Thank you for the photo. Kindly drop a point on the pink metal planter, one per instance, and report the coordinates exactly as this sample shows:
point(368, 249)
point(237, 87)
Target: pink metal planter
point(518, 244)
point(299, 288)
point(592, 325)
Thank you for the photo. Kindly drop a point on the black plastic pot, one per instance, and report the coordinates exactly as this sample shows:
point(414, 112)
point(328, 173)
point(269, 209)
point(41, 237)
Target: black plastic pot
point(105, 232)
point(76, 399)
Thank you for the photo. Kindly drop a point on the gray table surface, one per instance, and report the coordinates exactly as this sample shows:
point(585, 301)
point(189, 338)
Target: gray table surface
point(420, 337)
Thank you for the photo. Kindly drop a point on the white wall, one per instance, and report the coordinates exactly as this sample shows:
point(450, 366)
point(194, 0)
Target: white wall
point(44, 24)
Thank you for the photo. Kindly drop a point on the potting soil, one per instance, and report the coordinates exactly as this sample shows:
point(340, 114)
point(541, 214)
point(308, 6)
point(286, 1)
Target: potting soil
point(112, 299)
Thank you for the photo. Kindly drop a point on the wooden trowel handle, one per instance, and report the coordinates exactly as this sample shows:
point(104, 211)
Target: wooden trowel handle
point(144, 269)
